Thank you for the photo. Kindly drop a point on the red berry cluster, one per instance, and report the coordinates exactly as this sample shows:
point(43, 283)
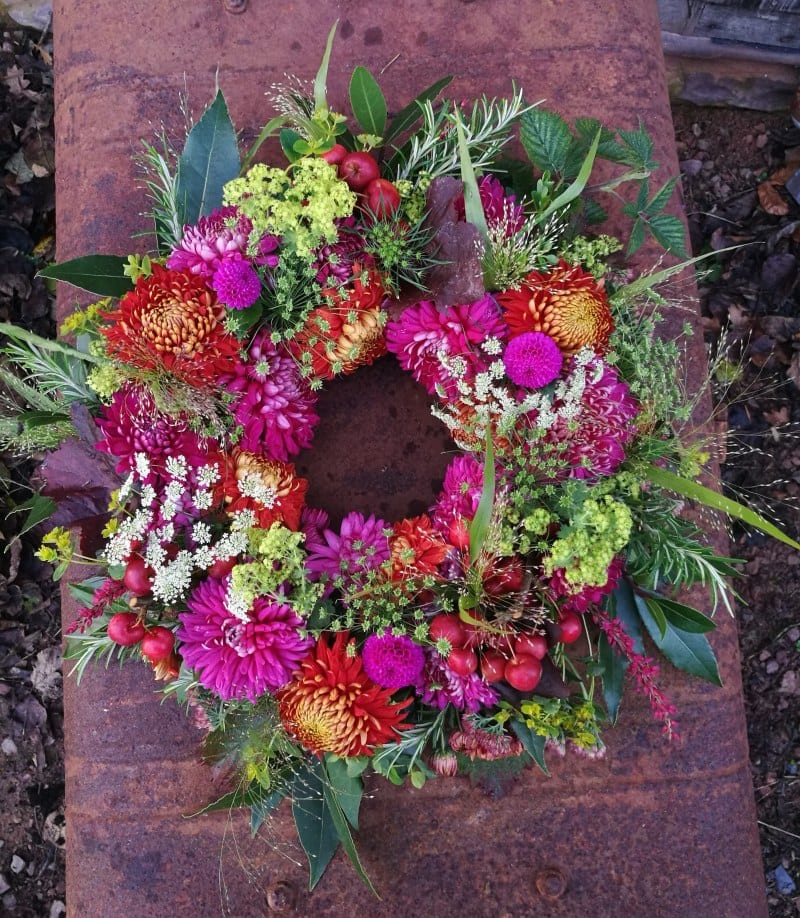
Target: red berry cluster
point(360, 171)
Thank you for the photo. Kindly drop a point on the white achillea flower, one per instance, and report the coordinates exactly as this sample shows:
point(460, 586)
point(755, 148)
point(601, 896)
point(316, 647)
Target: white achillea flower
point(201, 533)
point(177, 468)
point(208, 475)
point(142, 465)
point(173, 580)
point(202, 499)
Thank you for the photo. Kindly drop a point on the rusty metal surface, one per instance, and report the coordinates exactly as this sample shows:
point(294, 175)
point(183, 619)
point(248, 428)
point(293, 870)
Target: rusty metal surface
point(651, 830)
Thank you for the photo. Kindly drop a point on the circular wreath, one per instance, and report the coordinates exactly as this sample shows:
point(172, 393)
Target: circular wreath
point(426, 645)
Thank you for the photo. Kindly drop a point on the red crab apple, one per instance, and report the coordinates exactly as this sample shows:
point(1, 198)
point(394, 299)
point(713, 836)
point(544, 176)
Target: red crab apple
point(448, 626)
point(383, 198)
point(570, 627)
point(335, 155)
point(138, 577)
point(462, 661)
point(493, 666)
point(523, 672)
point(125, 629)
point(358, 169)
point(532, 645)
point(158, 644)
point(506, 576)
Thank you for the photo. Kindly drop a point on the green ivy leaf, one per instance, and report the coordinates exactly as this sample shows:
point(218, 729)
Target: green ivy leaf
point(613, 667)
point(532, 743)
point(688, 651)
point(367, 101)
point(99, 274)
point(407, 117)
point(669, 232)
point(546, 138)
point(313, 819)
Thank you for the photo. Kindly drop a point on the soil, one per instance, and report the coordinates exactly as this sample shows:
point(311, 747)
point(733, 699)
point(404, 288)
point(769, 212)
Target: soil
point(752, 323)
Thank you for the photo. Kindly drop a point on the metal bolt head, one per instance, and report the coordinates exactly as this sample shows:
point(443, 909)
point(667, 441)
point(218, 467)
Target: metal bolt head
point(551, 883)
point(281, 896)
point(234, 6)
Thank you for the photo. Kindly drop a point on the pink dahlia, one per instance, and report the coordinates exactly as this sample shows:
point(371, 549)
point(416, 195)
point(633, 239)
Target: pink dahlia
point(392, 660)
point(236, 283)
point(360, 546)
point(439, 347)
point(235, 658)
point(532, 360)
point(335, 262)
point(132, 424)
point(275, 406)
point(461, 492)
point(593, 437)
point(498, 207)
point(213, 239)
point(439, 686)
point(312, 522)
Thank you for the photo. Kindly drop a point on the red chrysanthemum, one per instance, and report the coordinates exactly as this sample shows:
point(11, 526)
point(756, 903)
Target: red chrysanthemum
point(267, 487)
point(171, 321)
point(348, 333)
point(565, 303)
point(416, 547)
point(333, 706)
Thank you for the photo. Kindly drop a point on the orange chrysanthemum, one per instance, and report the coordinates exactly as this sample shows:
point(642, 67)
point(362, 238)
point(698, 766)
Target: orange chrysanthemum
point(347, 334)
point(416, 548)
point(333, 706)
point(565, 303)
point(267, 487)
point(171, 321)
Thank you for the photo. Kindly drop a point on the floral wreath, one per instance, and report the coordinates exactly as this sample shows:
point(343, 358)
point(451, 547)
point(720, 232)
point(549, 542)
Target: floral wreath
point(309, 650)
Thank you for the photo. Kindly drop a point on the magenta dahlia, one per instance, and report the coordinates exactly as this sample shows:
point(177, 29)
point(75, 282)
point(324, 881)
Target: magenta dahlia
point(592, 435)
point(532, 360)
point(275, 406)
point(212, 240)
point(587, 596)
point(392, 660)
point(439, 346)
point(312, 522)
point(439, 686)
point(498, 207)
point(132, 424)
point(360, 546)
point(236, 283)
point(461, 492)
point(235, 658)
point(334, 262)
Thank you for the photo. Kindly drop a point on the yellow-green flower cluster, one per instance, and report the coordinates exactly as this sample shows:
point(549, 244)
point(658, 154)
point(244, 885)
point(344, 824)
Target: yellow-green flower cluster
point(587, 545)
point(299, 204)
point(85, 321)
point(57, 545)
point(278, 558)
point(554, 718)
point(105, 379)
point(138, 266)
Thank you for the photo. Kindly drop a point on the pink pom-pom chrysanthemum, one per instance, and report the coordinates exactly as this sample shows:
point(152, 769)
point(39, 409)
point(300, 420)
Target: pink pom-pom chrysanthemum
point(392, 660)
point(532, 360)
point(236, 283)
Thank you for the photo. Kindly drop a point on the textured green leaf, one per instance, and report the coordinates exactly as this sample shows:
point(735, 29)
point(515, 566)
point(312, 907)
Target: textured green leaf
point(479, 526)
point(660, 199)
point(574, 190)
point(636, 240)
point(347, 787)
point(367, 102)
point(688, 651)
point(546, 138)
point(99, 274)
point(210, 158)
point(663, 478)
point(638, 149)
point(315, 824)
point(532, 743)
point(669, 232)
point(613, 666)
point(407, 117)
point(593, 212)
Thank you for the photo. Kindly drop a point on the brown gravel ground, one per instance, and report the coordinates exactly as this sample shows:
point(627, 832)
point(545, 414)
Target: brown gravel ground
point(751, 317)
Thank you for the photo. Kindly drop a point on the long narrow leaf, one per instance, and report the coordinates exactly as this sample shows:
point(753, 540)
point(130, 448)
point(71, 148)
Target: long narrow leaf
point(614, 666)
point(57, 347)
point(663, 478)
point(275, 124)
point(472, 198)
point(407, 117)
point(316, 828)
point(576, 188)
point(345, 836)
point(321, 79)
point(479, 527)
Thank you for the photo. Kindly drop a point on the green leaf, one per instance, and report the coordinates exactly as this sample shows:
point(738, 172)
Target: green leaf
point(99, 274)
point(32, 419)
point(638, 149)
point(315, 824)
point(240, 321)
point(683, 617)
point(661, 198)
point(695, 491)
point(655, 610)
point(407, 117)
point(347, 787)
point(532, 743)
point(321, 79)
point(38, 508)
point(669, 232)
point(210, 158)
point(288, 138)
point(473, 208)
point(593, 213)
point(636, 240)
point(367, 102)
point(263, 806)
point(576, 188)
point(546, 138)
point(264, 134)
point(613, 665)
point(688, 651)
point(345, 836)
point(479, 526)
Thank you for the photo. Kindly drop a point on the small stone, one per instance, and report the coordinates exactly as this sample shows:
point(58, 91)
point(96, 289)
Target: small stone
point(691, 167)
point(4, 884)
point(789, 684)
point(793, 634)
point(17, 864)
point(761, 141)
point(9, 902)
point(772, 667)
point(703, 145)
point(783, 881)
point(8, 746)
point(57, 909)
point(697, 130)
point(764, 655)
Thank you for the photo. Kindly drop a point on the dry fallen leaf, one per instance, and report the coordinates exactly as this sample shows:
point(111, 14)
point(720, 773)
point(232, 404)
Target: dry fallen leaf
point(770, 199)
